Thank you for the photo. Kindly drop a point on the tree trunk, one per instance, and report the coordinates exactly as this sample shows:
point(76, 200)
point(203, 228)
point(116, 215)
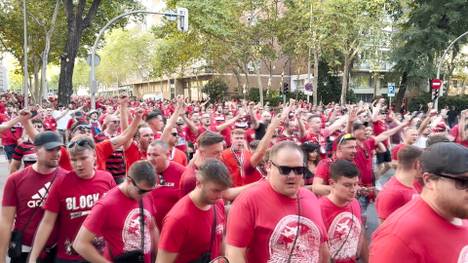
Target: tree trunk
point(36, 91)
point(401, 91)
point(315, 80)
point(344, 81)
point(259, 83)
point(45, 52)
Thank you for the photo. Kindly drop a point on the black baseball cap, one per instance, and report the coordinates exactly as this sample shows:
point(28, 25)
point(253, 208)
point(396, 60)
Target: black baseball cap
point(48, 139)
point(445, 158)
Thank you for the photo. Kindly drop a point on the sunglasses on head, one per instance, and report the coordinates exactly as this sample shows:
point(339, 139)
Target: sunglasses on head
point(286, 170)
point(460, 183)
point(140, 191)
point(346, 137)
point(81, 143)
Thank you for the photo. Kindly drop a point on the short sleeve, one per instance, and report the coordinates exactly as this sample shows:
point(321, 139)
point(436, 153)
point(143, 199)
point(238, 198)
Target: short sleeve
point(323, 170)
point(390, 249)
point(103, 151)
point(240, 223)
point(96, 219)
point(9, 192)
point(387, 203)
point(173, 234)
point(132, 155)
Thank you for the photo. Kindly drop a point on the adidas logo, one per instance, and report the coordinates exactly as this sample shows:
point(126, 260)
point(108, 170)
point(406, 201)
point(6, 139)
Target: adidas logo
point(39, 196)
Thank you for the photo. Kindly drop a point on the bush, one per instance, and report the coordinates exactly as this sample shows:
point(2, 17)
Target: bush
point(216, 89)
point(460, 102)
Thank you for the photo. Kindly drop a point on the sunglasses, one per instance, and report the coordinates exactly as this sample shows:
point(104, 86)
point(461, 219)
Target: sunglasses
point(115, 122)
point(286, 170)
point(140, 191)
point(38, 126)
point(346, 137)
point(174, 134)
point(81, 143)
point(460, 183)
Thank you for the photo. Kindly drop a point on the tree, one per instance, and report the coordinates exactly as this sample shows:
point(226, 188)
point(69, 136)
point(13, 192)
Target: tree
point(216, 89)
point(352, 23)
point(84, 18)
point(425, 30)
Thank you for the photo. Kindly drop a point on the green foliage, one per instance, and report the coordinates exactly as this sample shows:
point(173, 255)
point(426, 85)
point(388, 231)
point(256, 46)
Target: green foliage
point(81, 73)
point(126, 54)
point(216, 89)
point(460, 102)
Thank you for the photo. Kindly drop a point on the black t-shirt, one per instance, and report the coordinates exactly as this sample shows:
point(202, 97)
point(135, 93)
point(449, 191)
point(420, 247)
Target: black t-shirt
point(452, 115)
point(260, 131)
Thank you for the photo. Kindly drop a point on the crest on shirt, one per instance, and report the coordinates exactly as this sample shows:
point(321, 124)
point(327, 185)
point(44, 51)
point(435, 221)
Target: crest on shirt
point(131, 233)
point(282, 239)
point(343, 234)
point(463, 258)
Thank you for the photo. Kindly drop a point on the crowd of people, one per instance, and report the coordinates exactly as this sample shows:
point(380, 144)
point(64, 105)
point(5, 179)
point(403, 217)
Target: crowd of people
point(234, 181)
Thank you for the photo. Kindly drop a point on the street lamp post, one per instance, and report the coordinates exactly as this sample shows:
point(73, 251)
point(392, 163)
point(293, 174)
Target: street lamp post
point(182, 23)
point(436, 102)
point(25, 56)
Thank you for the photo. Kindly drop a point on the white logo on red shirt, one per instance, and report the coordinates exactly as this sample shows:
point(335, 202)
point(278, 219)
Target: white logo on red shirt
point(39, 196)
point(307, 245)
point(463, 258)
point(131, 233)
point(343, 234)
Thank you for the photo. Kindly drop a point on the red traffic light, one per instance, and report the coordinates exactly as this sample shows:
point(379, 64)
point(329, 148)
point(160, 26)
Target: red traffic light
point(436, 83)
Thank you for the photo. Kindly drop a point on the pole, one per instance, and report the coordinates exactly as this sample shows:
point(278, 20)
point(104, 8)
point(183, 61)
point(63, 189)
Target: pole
point(310, 51)
point(436, 102)
point(25, 51)
point(93, 84)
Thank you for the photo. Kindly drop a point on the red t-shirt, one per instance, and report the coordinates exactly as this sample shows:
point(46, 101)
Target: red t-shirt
point(24, 190)
point(393, 196)
point(251, 173)
point(455, 133)
point(187, 230)
point(265, 222)
point(132, 154)
point(11, 136)
point(395, 151)
point(64, 161)
point(379, 127)
point(416, 233)
point(166, 195)
point(363, 161)
point(179, 157)
point(121, 227)
point(323, 169)
point(188, 180)
point(103, 151)
point(72, 198)
point(344, 229)
point(190, 135)
point(234, 163)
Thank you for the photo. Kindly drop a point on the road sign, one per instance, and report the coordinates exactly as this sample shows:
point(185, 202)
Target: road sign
point(436, 83)
point(97, 59)
point(391, 89)
point(182, 20)
point(308, 89)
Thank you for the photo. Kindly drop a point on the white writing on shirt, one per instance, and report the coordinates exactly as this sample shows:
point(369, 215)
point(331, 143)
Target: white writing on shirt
point(37, 198)
point(83, 202)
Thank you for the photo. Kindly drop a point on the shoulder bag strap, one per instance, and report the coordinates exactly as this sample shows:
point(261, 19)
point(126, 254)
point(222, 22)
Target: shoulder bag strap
point(213, 228)
point(142, 224)
point(41, 200)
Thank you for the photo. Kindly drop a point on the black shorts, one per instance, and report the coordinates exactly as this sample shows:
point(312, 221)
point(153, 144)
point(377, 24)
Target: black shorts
point(384, 157)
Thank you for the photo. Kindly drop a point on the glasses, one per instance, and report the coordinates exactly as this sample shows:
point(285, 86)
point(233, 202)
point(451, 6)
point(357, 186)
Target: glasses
point(286, 170)
point(82, 129)
point(140, 191)
point(346, 137)
point(460, 183)
point(81, 143)
point(174, 134)
point(115, 122)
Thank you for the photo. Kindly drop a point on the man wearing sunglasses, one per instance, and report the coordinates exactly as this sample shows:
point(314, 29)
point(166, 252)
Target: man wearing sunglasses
point(25, 152)
point(70, 200)
point(25, 192)
point(278, 220)
point(434, 227)
point(117, 218)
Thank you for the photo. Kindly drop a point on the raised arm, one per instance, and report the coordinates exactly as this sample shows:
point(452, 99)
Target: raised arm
point(129, 133)
point(386, 134)
point(228, 123)
point(27, 125)
point(7, 125)
point(123, 102)
point(171, 122)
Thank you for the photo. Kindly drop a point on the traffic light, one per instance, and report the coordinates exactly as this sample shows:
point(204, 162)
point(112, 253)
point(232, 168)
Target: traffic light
point(285, 88)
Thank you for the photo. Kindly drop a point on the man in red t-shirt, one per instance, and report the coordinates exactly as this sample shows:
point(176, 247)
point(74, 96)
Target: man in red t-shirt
point(434, 227)
point(10, 132)
point(167, 193)
point(345, 146)
point(195, 225)
point(118, 217)
point(25, 192)
point(278, 220)
point(70, 200)
point(410, 136)
point(460, 131)
point(341, 214)
point(400, 189)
